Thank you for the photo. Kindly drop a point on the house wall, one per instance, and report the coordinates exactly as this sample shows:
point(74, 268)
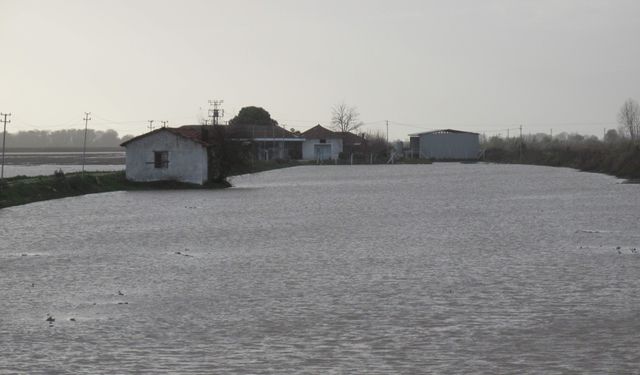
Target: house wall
point(414, 147)
point(450, 146)
point(187, 159)
point(308, 150)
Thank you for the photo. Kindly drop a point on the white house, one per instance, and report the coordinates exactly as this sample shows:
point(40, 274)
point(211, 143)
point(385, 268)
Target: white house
point(446, 144)
point(321, 144)
point(178, 154)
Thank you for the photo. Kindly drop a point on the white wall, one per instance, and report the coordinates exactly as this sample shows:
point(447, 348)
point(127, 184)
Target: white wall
point(450, 146)
point(308, 151)
point(187, 159)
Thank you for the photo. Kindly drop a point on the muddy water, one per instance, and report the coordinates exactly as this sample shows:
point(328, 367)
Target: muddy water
point(442, 268)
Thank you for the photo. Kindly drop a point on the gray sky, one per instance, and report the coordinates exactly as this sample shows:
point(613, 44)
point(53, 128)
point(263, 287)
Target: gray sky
point(472, 65)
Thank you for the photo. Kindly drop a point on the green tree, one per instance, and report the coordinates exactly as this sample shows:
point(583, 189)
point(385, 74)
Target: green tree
point(253, 116)
point(611, 136)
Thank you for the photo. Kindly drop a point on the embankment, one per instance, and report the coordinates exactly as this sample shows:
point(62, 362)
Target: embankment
point(620, 159)
point(21, 190)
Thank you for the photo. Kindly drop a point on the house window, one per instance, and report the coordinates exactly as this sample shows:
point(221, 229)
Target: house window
point(323, 141)
point(161, 159)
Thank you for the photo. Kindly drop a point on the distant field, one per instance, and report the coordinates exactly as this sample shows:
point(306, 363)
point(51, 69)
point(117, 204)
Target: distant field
point(63, 149)
point(60, 156)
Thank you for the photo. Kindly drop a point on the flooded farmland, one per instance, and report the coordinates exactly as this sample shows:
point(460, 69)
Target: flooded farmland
point(443, 268)
point(35, 163)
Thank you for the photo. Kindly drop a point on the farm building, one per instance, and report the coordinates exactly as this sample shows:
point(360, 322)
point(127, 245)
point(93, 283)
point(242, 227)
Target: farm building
point(321, 144)
point(188, 153)
point(268, 142)
point(184, 154)
point(353, 143)
point(446, 144)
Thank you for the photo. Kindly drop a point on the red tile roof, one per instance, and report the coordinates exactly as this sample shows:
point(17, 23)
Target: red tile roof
point(320, 132)
point(208, 135)
point(351, 139)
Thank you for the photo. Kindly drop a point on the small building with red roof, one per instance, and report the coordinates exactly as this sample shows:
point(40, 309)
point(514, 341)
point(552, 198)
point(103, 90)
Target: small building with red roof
point(193, 153)
point(321, 143)
point(178, 154)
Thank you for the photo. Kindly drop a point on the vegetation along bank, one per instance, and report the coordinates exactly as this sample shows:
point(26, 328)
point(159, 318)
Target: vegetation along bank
point(22, 189)
point(620, 158)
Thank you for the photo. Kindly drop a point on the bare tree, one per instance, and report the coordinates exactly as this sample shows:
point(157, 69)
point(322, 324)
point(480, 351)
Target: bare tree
point(345, 118)
point(629, 118)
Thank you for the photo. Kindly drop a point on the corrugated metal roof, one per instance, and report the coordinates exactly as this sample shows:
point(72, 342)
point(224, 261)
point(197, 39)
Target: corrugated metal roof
point(443, 131)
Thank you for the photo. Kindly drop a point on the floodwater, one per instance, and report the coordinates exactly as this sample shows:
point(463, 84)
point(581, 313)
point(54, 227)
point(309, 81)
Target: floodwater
point(443, 268)
point(46, 163)
point(49, 169)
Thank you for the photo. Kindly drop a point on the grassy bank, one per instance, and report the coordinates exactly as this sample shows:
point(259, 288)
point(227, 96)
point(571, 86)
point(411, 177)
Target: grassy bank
point(620, 159)
point(21, 190)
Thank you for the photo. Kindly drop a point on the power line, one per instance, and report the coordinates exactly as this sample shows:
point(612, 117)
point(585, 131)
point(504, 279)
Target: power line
point(109, 121)
point(312, 121)
point(498, 130)
point(37, 127)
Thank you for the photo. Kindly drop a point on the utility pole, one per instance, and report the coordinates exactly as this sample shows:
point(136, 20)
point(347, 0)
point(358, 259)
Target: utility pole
point(4, 136)
point(520, 143)
point(387, 131)
point(164, 123)
point(150, 127)
point(216, 112)
point(84, 144)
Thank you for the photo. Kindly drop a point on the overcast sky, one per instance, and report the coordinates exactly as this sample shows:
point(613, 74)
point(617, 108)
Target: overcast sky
point(471, 65)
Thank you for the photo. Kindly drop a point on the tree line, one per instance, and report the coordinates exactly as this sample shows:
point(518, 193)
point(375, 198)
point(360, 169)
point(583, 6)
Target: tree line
point(65, 138)
point(618, 153)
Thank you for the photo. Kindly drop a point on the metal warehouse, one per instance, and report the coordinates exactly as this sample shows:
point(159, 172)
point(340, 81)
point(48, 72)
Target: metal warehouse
point(446, 144)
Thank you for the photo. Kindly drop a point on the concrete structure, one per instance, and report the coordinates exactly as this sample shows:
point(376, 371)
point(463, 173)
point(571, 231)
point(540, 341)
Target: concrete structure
point(168, 154)
point(321, 144)
point(446, 144)
point(353, 144)
point(268, 142)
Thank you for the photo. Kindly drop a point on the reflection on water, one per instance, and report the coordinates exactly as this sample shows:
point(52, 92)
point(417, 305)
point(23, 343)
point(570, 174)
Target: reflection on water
point(442, 268)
